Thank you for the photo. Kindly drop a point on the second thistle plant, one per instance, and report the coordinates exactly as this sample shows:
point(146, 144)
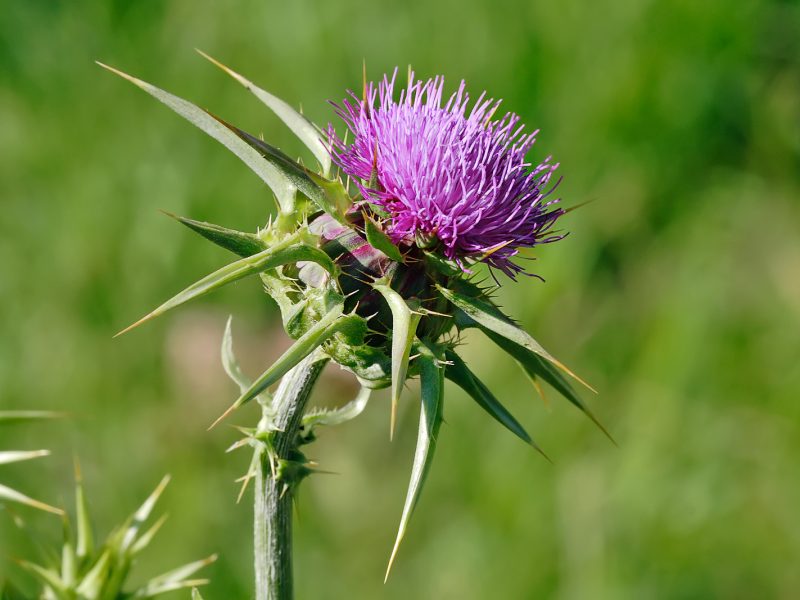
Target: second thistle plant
point(372, 257)
point(86, 570)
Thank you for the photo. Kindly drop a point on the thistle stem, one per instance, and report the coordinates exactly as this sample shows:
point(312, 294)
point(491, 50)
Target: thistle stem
point(273, 496)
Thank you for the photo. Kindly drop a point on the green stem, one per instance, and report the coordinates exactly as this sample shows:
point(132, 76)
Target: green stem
point(273, 498)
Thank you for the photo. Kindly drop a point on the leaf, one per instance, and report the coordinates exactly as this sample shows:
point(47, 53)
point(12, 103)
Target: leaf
point(95, 580)
point(431, 379)
point(283, 189)
point(6, 493)
point(147, 537)
point(50, 578)
point(339, 415)
point(84, 546)
point(138, 518)
point(285, 252)
point(446, 267)
point(238, 242)
point(404, 327)
point(380, 241)
point(458, 372)
point(491, 319)
point(196, 594)
point(306, 344)
point(330, 196)
point(16, 416)
point(305, 130)
point(229, 362)
point(12, 456)
point(534, 366)
point(173, 580)
point(232, 368)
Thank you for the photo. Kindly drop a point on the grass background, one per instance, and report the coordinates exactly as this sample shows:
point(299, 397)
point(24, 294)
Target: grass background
point(677, 293)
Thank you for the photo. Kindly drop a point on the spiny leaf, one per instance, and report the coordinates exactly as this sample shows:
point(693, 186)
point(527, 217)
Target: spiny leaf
point(15, 416)
point(138, 518)
point(172, 587)
point(305, 130)
point(458, 372)
point(173, 580)
point(313, 338)
point(379, 240)
point(147, 537)
point(432, 384)
point(535, 366)
point(285, 252)
point(6, 493)
point(330, 196)
point(491, 319)
point(238, 242)
point(84, 546)
point(339, 415)
point(283, 189)
point(12, 456)
point(94, 581)
point(404, 327)
point(50, 578)
point(69, 562)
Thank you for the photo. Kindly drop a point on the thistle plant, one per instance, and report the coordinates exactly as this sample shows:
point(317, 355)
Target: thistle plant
point(374, 259)
point(83, 570)
point(8, 494)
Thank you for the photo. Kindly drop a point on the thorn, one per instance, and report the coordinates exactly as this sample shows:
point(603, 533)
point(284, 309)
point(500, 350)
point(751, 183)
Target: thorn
point(141, 321)
point(569, 372)
point(231, 408)
point(77, 469)
point(577, 206)
point(237, 444)
point(393, 416)
point(487, 253)
point(245, 483)
point(540, 391)
point(364, 80)
point(391, 559)
point(542, 452)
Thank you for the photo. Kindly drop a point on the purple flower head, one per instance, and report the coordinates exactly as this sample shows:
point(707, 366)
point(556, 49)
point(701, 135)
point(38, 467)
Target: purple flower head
point(445, 174)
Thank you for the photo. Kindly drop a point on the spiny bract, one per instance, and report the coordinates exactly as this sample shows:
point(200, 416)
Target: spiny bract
point(380, 282)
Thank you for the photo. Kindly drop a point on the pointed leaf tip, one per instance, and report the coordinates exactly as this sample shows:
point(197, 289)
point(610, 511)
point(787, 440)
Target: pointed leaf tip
point(238, 242)
point(380, 241)
point(305, 130)
point(307, 343)
point(404, 328)
point(458, 372)
point(277, 182)
point(289, 250)
point(6, 493)
point(432, 384)
point(492, 320)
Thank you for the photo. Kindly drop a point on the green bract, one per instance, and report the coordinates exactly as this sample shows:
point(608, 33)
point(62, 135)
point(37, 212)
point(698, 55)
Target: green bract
point(350, 295)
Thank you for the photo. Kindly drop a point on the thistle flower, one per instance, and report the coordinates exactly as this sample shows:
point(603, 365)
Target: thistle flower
point(380, 282)
point(444, 173)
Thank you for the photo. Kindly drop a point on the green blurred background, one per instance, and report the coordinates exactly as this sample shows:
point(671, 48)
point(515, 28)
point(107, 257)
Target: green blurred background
point(677, 293)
